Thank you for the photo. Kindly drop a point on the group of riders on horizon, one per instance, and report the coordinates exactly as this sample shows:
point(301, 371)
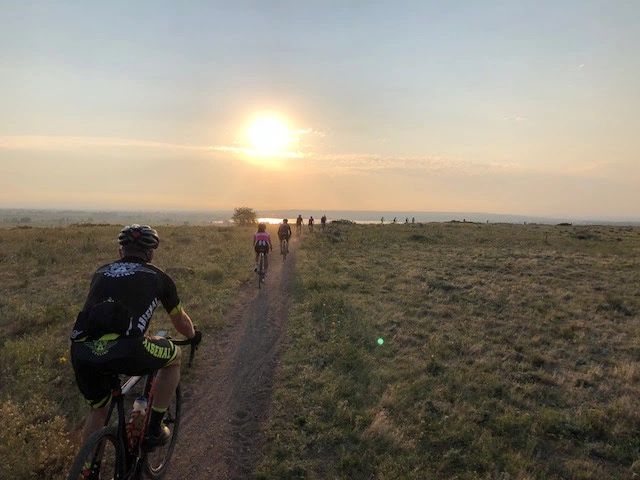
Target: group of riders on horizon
point(262, 238)
point(109, 336)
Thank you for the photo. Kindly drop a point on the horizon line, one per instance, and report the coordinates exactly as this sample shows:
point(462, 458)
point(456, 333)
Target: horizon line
point(369, 211)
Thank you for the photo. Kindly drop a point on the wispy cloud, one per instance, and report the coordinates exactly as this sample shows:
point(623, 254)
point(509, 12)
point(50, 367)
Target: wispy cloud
point(515, 118)
point(246, 151)
point(627, 171)
point(307, 131)
point(53, 142)
point(340, 163)
point(372, 163)
point(71, 143)
point(311, 161)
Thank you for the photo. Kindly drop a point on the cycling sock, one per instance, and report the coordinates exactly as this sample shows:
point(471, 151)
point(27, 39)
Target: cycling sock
point(91, 467)
point(157, 414)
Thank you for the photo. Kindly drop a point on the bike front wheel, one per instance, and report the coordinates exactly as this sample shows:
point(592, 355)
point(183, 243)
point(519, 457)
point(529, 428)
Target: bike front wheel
point(157, 461)
point(101, 457)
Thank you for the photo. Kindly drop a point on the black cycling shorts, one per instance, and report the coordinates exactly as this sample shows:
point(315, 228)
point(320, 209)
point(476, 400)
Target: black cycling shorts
point(96, 362)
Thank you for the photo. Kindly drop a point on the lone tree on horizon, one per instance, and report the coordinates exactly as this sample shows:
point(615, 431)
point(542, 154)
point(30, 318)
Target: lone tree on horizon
point(244, 216)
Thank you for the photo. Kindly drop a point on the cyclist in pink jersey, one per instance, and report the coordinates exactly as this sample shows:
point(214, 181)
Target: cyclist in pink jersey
point(262, 244)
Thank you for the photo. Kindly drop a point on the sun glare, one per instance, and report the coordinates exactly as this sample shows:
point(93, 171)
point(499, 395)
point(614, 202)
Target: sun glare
point(268, 136)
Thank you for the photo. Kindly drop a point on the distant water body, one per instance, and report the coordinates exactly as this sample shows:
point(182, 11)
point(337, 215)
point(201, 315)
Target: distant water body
point(40, 217)
point(373, 217)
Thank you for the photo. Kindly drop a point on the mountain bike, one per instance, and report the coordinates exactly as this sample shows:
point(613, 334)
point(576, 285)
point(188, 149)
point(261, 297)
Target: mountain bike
point(284, 248)
point(116, 452)
point(261, 271)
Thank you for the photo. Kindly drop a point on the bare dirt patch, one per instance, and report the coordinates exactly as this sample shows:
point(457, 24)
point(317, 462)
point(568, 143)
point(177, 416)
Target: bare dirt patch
point(228, 394)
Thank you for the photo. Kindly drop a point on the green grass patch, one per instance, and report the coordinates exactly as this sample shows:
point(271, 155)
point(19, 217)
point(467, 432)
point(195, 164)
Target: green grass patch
point(508, 352)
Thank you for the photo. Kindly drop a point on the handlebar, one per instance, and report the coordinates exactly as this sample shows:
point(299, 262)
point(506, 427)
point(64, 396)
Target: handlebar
point(185, 341)
point(192, 350)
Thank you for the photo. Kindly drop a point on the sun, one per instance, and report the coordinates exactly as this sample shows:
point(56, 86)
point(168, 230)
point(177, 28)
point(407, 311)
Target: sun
point(269, 135)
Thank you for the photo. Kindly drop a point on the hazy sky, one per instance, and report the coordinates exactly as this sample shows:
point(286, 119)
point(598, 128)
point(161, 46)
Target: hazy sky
point(527, 107)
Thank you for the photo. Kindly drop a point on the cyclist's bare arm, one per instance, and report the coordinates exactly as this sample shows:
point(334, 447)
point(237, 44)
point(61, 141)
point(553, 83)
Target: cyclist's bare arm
point(183, 323)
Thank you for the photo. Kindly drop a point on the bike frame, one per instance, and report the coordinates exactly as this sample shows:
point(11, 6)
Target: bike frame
point(134, 460)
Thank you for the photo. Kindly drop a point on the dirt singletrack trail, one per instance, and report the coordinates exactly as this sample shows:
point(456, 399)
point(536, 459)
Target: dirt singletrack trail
point(228, 395)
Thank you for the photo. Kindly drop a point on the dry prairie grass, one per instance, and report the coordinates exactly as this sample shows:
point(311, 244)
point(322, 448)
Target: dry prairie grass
point(44, 277)
point(510, 352)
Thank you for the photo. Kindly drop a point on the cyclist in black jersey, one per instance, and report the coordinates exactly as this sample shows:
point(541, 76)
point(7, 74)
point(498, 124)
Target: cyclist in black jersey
point(284, 231)
point(299, 225)
point(109, 335)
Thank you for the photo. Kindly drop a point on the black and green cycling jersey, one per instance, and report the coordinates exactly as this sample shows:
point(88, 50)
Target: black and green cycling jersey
point(108, 335)
point(122, 298)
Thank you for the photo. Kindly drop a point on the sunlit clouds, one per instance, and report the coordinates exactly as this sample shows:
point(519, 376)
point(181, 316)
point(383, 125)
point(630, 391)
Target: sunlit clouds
point(56, 143)
point(270, 145)
point(94, 172)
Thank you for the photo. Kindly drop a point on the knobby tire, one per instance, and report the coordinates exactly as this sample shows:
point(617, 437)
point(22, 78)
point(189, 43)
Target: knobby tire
point(107, 436)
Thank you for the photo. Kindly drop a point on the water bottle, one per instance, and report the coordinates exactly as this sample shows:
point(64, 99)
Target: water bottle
point(140, 405)
point(136, 421)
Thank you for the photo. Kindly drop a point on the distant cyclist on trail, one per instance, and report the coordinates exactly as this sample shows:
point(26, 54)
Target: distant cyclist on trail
point(262, 244)
point(323, 222)
point(311, 223)
point(299, 224)
point(109, 335)
point(284, 231)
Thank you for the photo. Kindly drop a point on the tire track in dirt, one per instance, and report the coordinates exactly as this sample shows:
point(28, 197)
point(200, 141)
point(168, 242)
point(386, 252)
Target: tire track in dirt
point(228, 395)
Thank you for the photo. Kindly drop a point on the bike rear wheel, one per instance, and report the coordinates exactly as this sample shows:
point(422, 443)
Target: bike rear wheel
point(284, 249)
point(261, 270)
point(101, 457)
point(157, 461)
